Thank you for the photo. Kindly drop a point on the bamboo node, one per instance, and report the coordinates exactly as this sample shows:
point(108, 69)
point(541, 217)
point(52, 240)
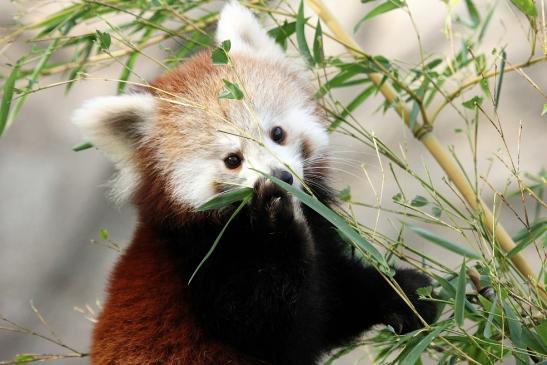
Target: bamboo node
point(422, 131)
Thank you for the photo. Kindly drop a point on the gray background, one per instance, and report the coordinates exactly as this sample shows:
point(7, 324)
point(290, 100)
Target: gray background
point(52, 200)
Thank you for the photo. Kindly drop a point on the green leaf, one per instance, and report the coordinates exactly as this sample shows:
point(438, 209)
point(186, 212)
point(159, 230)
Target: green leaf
point(224, 199)
point(217, 240)
point(487, 332)
point(473, 102)
point(544, 111)
point(380, 9)
point(358, 100)
point(397, 197)
point(419, 201)
point(219, 55)
point(473, 13)
point(231, 91)
point(497, 92)
point(126, 71)
point(24, 359)
point(83, 55)
point(82, 146)
point(301, 35)
point(413, 356)
point(336, 220)
point(460, 295)
point(7, 96)
point(485, 88)
point(103, 39)
point(345, 194)
point(282, 32)
point(415, 106)
point(198, 39)
point(515, 332)
point(534, 341)
point(526, 6)
point(528, 235)
point(103, 233)
point(436, 211)
point(425, 291)
point(36, 73)
point(340, 80)
point(318, 54)
point(449, 245)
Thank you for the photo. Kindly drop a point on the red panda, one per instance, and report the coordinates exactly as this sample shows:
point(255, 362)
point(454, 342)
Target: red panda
point(280, 288)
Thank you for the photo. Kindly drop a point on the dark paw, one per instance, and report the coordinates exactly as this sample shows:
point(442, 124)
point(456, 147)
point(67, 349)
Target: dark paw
point(270, 205)
point(403, 319)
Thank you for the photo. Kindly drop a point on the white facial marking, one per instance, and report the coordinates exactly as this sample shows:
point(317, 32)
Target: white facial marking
point(196, 177)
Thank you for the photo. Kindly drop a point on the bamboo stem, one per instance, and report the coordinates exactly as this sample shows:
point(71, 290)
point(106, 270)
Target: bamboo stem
point(424, 133)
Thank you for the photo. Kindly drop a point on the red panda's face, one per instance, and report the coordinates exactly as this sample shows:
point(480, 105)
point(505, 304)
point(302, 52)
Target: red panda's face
point(198, 144)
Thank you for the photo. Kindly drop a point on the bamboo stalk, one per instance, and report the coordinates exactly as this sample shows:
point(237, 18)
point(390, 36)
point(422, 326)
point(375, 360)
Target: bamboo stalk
point(424, 133)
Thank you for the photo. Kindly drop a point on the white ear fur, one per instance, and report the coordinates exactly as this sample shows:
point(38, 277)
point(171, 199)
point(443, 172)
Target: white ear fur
point(114, 124)
point(245, 33)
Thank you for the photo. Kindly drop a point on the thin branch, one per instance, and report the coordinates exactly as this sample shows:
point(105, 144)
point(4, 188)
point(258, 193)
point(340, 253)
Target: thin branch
point(475, 80)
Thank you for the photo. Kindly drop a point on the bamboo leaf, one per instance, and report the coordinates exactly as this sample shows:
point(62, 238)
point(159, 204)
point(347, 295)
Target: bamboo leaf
point(497, 92)
point(473, 102)
point(301, 35)
point(341, 79)
point(42, 63)
point(24, 359)
point(103, 233)
point(282, 32)
point(130, 63)
point(358, 100)
point(419, 201)
point(473, 13)
point(528, 7)
point(318, 54)
point(103, 40)
point(449, 245)
point(528, 235)
point(231, 91)
point(83, 55)
point(487, 332)
point(224, 199)
point(219, 55)
point(380, 9)
point(82, 146)
point(515, 332)
point(414, 355)
point(7, 96)
point(459, 306)
point(126, 71)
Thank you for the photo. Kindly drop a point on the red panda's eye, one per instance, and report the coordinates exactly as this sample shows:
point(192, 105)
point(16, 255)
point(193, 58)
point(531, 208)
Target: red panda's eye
point(233, 161)
point(277, 134)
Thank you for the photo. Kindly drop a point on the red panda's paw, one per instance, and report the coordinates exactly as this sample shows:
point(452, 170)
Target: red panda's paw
point(403, 319)
point(271, 205)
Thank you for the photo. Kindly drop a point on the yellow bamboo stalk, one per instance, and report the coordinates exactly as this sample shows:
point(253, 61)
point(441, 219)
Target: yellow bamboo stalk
point(424, 134)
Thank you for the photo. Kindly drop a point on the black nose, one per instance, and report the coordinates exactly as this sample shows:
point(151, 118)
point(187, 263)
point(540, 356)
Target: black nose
point(283, 175)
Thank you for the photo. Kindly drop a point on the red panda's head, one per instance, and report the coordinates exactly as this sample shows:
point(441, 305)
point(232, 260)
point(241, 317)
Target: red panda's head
point(178, 144)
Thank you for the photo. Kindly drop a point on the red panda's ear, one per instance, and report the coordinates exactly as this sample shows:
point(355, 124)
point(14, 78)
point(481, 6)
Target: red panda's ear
point(115, 125)
point(239, 25)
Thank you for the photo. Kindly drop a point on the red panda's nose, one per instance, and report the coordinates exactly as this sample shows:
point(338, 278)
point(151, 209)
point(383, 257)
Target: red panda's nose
point(283, 175)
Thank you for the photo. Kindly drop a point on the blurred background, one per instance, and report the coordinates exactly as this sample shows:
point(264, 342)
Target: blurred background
point(53, 201)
